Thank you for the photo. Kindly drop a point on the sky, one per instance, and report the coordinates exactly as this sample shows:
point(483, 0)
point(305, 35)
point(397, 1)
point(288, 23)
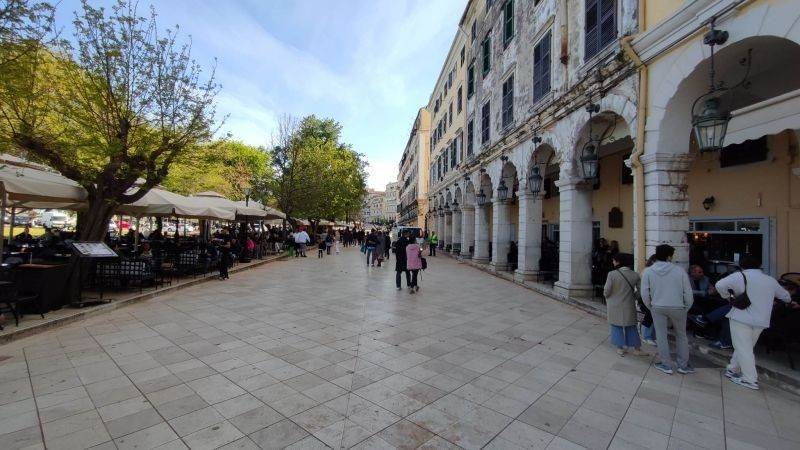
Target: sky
point(369, 64)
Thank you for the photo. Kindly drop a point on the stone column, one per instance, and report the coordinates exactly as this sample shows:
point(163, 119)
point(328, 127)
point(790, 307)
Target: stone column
point(575, 246)
point(467, 230)
point(666, 218)
point(445, 238)
point(530, 236)
point(481, 253)
point(439, 226)
point(455, 232)
point(501, 235)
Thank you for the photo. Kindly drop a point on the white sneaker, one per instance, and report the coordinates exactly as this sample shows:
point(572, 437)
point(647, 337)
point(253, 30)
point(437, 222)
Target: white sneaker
point(744, 383)
point(731, 374)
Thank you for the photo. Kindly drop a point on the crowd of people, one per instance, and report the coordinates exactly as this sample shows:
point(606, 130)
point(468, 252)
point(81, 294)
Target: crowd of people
point(666, 294)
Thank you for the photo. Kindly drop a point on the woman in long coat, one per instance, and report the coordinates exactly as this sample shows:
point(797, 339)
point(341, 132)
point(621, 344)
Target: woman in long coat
point(400, 259)
point(620, 291)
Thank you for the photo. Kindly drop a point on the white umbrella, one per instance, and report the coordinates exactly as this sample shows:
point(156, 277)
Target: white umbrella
point(264, 212)
point(29, 185)
point(161, 202)
point(218, 200)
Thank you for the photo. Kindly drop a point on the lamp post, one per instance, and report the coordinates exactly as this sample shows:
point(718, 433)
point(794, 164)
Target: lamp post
point(480, 197)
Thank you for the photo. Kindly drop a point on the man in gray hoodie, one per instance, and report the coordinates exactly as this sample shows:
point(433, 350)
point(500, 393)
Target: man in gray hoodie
point(667, 291)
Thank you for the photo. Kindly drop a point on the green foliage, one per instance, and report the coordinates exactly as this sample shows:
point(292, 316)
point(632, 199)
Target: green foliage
point(228, 167)
point(316, 176)
point(122, 100)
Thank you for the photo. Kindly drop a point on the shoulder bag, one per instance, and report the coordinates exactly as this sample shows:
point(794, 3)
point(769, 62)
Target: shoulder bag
point(636, 295)
point(741, 301)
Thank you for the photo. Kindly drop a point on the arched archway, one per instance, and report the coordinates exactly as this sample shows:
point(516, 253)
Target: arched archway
point(695, 207)
point(467, 220)
point(483, 218)
point(595, 206)
point(505, 215)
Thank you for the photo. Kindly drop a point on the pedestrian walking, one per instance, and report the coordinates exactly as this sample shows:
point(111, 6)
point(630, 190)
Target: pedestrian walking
point(746, 324)
point(301, 239)
point(621, 291)
point(328, 242)
point(321, 248)
point(370, 242)
point(387, 244)
point(413, 264)
point(666, 290)
point(337, 242)
point(400, 260)
point(379, 247)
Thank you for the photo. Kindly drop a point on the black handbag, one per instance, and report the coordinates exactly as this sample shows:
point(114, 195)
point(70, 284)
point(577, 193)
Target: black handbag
point(424, 263)
point(741, 301)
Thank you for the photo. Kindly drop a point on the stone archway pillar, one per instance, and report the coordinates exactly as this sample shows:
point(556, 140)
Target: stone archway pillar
point(501, 235)
point(467, 230)
point(440, 225)
point(530, 236)
point(575, 243)
point(481, 252)
point(666, 218)
point(445, 239)
point(455, 232)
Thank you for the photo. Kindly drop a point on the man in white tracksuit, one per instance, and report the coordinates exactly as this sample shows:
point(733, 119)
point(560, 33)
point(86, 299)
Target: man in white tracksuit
point(747, 324)
point(667, 291)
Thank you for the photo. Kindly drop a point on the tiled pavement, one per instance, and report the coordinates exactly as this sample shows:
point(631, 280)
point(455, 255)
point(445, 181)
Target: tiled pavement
point(312, 353)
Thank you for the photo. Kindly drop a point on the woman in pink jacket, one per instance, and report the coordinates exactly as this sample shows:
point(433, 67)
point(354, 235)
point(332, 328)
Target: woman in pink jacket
point(413, 264)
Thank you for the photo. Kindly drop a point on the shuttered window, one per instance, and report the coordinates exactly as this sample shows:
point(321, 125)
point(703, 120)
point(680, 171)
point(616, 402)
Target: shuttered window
point(471, 80)
point(485, 111)
point(541, 68)
point(508, 22)
point(508, 101)
point(470, 136)
point(601, 25)
point(486, 50)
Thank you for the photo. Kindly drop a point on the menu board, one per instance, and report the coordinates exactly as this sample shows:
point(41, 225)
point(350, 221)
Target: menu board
point(93, 249)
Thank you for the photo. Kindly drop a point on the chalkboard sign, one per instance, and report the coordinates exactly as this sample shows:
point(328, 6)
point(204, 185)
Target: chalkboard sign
point(93, 250)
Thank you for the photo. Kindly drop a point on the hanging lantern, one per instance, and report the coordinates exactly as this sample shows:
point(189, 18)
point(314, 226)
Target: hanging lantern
point(710, 126)
point(455, 206)
point(502, 191)
point(447, 207)
point(590, 160)
point(481, 198)
point(535, 181)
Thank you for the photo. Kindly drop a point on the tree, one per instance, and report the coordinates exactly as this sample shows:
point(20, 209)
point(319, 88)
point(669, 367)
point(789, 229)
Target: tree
point(24, 27)
point(231, 168)
point(316, 176)
point(122, 102)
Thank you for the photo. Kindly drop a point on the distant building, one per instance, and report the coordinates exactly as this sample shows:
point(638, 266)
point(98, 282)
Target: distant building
point(390, 200)
point(413, 174)
point(373, 209)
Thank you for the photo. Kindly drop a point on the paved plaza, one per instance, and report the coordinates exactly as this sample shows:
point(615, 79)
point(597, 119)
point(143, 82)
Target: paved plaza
point(309, 353)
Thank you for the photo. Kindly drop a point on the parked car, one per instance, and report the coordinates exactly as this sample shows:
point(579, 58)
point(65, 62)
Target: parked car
point(55, 219)
point(22, 220)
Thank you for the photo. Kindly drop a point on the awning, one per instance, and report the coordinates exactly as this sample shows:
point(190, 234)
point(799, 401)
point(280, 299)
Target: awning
point(770, 116)
point(263, 212)
point(30, 185)
point(159, 202)
point(239, 209)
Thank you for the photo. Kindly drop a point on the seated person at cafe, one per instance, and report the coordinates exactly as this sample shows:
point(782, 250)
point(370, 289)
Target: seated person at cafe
point(147, 252)
point(156, 235)
point(705, 298)
point(25, 237)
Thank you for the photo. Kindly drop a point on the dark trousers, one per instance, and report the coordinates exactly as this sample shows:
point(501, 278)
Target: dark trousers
point(432, 250)
point(328, 248)
point(411, 278)
point(223, 266)
point(718, 315)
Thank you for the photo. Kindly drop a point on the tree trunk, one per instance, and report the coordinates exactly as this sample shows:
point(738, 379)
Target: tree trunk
point(94, 222)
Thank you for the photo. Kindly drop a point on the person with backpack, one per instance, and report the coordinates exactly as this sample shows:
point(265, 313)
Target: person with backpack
point(621, 292)
point(752, 293)
point(667, 291)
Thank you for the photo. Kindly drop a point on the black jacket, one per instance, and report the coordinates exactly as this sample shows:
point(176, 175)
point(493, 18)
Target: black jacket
point(400, 254)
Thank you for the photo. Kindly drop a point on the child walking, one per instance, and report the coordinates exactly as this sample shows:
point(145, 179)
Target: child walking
point(321, 248)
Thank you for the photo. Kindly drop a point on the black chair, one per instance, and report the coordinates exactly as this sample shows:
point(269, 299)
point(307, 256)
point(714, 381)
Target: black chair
point(13, 300)
point(107, 276)
point(136, 271)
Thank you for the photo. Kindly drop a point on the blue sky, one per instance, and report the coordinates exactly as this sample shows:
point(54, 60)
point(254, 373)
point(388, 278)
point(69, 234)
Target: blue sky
point(370, 64)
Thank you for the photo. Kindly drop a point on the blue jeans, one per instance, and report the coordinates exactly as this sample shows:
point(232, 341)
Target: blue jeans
point(625, 336)
point(649, 333)
point(370, 255)
point(718, 315)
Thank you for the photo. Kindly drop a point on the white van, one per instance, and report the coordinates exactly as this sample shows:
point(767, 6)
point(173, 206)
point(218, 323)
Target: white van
point(53, 218)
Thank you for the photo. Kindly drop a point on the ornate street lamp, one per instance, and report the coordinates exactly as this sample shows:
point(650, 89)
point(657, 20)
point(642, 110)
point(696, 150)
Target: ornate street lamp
point(535, 181)
point(480, 197)
point(455, 205)
point(711, 124)
point(589, 157)
point(446, 208)
point(502, 191)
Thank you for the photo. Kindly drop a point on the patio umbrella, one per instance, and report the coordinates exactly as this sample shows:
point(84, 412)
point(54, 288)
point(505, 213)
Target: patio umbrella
point(29, 185)
point(264, 212)
point(159, 202)
point(239, 209)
